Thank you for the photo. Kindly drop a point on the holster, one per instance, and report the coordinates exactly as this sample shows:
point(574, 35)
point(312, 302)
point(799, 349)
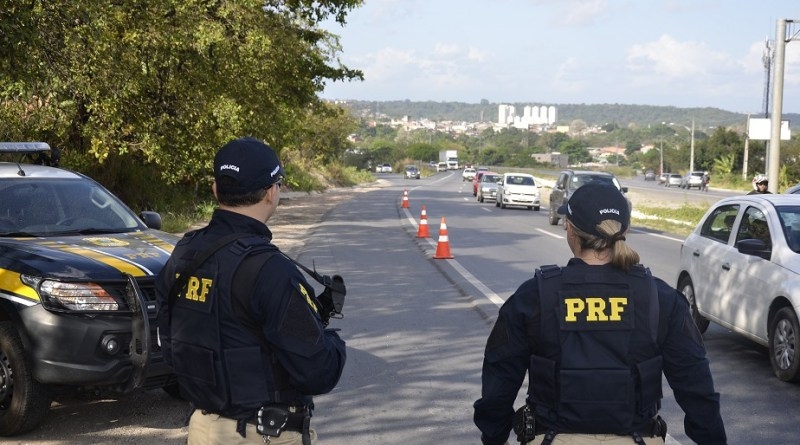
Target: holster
point(524, 423)
point(271, 420)
point(659, 428)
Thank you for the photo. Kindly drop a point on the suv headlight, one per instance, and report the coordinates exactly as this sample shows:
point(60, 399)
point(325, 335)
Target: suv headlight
point(77, 297)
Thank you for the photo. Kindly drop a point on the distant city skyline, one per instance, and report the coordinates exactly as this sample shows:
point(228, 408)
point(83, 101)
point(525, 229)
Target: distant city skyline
point(681, 53)
point(531, 115)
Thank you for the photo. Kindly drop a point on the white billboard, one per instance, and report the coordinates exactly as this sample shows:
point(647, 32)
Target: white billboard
point(760, 129)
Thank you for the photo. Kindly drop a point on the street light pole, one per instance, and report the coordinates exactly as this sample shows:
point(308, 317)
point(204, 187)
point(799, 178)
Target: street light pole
point(691, 143)
point(774, 155)
point(661, 150)
point(691, 151)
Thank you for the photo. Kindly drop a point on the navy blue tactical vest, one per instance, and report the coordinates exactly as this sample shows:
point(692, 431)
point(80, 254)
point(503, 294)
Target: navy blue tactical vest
point(238, 379)
point(595, 364)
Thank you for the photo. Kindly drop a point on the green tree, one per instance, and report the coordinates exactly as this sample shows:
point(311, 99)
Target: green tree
point(723, 143)
point(324, 137)
point(576, 149)
point(724, 165)
point(164, 83)
point(422, 152)
point(552, 141)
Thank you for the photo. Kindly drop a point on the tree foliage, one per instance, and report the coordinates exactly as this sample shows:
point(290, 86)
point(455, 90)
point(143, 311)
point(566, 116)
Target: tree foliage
point(164, 83)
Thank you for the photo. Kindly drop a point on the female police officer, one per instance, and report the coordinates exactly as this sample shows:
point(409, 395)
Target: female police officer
point(244, 337)
point(594, 337)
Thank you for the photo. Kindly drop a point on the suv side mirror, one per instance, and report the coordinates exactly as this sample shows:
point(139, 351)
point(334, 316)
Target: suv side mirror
point(624, 189)
point(151, 219)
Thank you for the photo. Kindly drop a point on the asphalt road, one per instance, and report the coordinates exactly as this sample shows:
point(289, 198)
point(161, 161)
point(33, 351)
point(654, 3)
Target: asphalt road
point(416, 326)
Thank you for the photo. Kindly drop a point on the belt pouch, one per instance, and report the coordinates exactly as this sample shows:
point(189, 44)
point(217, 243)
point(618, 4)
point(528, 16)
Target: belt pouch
point(271, 420)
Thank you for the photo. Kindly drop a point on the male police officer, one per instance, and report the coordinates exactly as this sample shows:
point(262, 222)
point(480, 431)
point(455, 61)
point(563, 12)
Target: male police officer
point(595, 337)
point(245, 338)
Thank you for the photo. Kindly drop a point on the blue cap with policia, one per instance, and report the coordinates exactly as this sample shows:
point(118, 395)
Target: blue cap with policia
point(593, 203)
point(251, 163)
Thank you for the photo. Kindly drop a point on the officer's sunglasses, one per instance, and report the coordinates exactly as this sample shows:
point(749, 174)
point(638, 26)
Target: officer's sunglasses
point(278, 183)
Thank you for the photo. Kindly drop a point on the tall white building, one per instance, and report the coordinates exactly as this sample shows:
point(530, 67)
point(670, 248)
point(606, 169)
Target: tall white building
point(531, 115)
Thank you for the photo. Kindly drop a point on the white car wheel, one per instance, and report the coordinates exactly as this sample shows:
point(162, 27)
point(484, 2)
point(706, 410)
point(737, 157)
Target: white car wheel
point(687, 289)
point(784, 351)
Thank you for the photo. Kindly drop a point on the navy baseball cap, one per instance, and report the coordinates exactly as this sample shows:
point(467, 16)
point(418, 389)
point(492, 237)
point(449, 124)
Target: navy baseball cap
point(593, 203)
point(252, 163)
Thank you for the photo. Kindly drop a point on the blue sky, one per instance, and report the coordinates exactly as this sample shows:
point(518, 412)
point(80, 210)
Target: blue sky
point(683, 53)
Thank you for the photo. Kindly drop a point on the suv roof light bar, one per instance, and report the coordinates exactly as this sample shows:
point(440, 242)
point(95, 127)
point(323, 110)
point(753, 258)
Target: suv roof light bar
point(24, 147)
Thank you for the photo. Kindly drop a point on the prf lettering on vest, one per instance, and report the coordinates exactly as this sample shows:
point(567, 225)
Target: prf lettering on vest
point(197, 288)
point(595, 308)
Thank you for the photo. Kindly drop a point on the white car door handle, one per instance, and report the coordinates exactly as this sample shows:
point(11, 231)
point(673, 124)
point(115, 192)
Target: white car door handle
point(726, 266)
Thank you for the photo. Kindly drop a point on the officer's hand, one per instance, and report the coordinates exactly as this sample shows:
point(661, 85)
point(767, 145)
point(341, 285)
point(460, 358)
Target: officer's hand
point(332, 298)
point(326, 302)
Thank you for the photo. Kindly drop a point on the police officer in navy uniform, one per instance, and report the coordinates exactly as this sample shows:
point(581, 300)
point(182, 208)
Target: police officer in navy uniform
point(245, 339)
point(594, 338)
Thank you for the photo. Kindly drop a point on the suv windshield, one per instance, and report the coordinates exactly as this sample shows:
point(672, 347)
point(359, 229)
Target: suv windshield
point(50, 206)
point(519, 180)
point(581, 180)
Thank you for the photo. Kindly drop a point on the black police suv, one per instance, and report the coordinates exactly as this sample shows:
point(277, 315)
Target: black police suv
point(77, 293)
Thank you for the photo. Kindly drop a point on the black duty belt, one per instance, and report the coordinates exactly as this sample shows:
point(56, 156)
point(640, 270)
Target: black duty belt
point(297, 416)
point(295, 422)
point(656, 428)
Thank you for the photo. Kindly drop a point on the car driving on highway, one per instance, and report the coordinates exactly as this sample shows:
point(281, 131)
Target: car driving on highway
point(570, 180)
point(487, 187)
point(517, 189)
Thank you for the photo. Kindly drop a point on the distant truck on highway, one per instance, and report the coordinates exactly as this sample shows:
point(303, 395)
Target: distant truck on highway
point(450, 157)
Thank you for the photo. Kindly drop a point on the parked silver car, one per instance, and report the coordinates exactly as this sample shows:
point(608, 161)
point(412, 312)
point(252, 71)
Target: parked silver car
point(674, 180)
point(740, 268)
point(692, 179)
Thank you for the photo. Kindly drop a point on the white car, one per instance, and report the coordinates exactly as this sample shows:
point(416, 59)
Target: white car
point(517, 189)
point(692, 179)
point(740, 268)
point(441, 167)
point(383, 168)
point(468, 174)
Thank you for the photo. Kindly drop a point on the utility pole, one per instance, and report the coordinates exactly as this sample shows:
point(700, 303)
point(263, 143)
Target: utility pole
point(691, 150)
point(766, 58)
point(781, 38)
point(746, 147)
point(769, 53)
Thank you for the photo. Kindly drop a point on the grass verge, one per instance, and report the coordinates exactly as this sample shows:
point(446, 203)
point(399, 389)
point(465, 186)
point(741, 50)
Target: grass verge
point(680, 221)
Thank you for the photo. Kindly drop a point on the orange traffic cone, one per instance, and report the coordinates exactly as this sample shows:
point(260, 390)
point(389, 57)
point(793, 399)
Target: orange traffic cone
point(422, 232)
point(443, 246)
point(405, 199)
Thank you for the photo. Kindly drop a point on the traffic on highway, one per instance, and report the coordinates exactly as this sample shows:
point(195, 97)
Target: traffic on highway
point(493, 251)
